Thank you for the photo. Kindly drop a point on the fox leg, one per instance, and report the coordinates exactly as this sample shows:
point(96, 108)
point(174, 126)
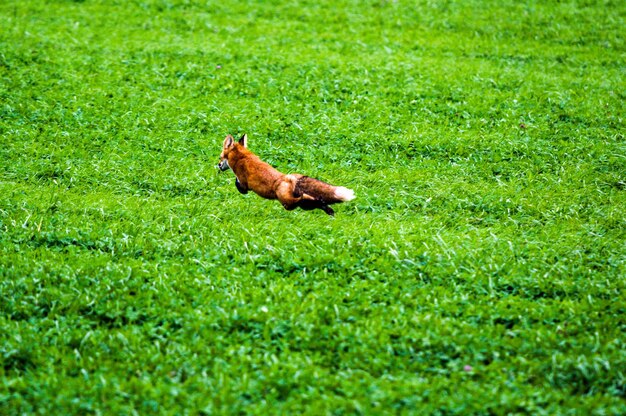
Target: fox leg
point(289, 196)
point(240, 187)
point(308, 202)
point(286, 196)
point(327, 209)
point(315, 203)
point(292, 200)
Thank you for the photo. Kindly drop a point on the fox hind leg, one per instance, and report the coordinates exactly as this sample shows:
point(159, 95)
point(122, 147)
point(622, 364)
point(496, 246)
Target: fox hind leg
point(291, 196)
point(308, 202)
point(285, 194)
point(327, 209)
point(315, 203)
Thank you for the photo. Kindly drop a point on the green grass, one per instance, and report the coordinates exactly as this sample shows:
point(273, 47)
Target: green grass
point(481, 269)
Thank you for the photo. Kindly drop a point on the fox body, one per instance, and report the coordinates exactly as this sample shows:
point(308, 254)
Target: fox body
point(292, 190)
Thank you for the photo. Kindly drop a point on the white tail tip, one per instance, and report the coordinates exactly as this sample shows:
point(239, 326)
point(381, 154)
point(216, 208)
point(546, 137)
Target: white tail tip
point(344, 194)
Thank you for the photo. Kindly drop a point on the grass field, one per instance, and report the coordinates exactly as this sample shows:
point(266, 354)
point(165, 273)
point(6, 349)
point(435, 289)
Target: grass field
point(481, 269)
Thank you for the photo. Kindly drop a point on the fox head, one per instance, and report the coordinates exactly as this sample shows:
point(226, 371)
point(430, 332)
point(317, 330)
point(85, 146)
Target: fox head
point(229, 145)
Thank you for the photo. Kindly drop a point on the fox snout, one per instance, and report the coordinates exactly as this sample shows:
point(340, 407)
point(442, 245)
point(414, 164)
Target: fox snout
point(223, 165)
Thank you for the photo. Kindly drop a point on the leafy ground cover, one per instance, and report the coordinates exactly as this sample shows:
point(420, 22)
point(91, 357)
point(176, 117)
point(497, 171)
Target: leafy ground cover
point(479, 271)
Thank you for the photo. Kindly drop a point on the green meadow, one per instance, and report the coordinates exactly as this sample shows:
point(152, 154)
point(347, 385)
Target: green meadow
point(481, 269)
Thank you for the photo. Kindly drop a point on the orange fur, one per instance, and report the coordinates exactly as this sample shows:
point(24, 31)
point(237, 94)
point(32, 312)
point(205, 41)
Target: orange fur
point(292, 190)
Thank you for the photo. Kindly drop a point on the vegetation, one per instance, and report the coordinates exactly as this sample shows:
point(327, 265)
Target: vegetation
point(479, 271)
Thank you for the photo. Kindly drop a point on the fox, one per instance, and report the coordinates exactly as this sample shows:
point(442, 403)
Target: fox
point(291, 190)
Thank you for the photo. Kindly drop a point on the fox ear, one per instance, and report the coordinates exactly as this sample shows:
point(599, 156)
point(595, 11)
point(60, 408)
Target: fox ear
point(244, 140)
point(228, 141)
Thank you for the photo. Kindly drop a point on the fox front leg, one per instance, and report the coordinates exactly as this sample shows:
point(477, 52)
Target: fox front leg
point(240, 187)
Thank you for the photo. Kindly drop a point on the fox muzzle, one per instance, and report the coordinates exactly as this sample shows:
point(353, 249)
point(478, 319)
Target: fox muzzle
point(223, 165)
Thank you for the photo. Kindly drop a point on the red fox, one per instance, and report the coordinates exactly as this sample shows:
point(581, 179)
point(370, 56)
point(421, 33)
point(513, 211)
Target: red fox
point(291, 190)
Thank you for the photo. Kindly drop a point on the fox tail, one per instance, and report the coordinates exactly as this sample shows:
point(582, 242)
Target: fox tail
point(326, 192)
